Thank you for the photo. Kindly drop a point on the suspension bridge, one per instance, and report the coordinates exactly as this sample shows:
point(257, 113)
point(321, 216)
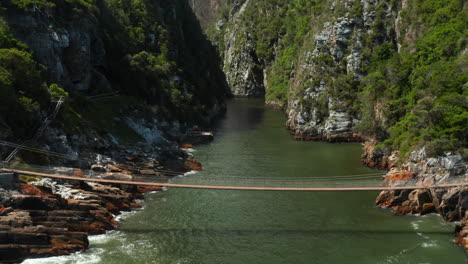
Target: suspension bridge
point(361, 182)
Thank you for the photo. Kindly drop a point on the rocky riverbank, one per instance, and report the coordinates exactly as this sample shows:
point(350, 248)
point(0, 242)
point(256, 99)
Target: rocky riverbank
point(40, 217)
point(450, 203)
point(35, 221)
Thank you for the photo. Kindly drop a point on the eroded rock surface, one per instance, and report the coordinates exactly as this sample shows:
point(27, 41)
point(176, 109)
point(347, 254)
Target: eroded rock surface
point(50, 219)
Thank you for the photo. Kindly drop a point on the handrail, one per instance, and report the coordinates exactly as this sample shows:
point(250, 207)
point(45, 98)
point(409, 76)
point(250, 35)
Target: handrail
point(251, 188)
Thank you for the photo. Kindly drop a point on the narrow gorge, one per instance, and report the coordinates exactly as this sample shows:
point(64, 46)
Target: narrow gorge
point(392, 74)
point(123, 88)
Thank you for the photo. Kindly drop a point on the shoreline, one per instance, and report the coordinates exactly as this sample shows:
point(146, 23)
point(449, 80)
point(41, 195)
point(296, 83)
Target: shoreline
point(448, 203)
point(133, 205)
point(52, 217)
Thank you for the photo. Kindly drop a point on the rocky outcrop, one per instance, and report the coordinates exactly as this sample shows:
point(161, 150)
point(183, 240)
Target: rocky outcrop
point(462, 232)
point(375, 157)
point(207, 12)
point(244, 72)
point(48, 219)
point(73, 54)
point(450, 203)
point(92, 48)
point(322, 91)
point(54, 217)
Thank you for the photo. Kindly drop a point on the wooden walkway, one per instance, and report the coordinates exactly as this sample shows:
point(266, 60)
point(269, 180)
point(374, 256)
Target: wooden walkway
point(245, 188)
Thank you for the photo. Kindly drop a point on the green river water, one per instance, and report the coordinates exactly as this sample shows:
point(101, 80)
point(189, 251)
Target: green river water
point(221, 226)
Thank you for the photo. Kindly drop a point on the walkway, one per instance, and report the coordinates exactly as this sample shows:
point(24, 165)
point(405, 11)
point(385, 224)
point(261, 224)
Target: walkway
point(225, 187)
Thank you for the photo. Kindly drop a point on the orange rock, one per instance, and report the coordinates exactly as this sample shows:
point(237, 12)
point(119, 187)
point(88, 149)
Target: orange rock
point(78, 173)
point(2, 210)
point(144, 188)
point(193, 164)
point(428, 208)
point(125, 206)
point(186, 146)
point(36, 190)
point(401, 176)
point(135, 205)
point(113, 168)
point(112, 208)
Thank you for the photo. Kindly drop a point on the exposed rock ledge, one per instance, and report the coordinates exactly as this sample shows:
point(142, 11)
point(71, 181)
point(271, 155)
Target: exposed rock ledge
point(47, 217)
point(450, 203)
point(38, 221)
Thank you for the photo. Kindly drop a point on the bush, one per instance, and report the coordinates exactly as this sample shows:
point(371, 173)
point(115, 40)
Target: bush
point(56, 91)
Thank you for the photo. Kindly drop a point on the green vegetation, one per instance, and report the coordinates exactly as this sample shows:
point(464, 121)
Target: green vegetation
point(155, 53)
point(82, 114)
point(277, 28)
point(421, 90)
point(56, 91)
point(29, 4)
point(410, 97)
point(163, 67)
point(20, 84)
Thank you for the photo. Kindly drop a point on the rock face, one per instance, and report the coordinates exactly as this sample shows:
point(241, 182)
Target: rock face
point(322, 92)
point(462, 232)
point(74, 55)
point(244, 71)
point(450, 203)
point(54, 217)
point(207, 11)
point(49, 219)
point(93, 48)
point(323, 71)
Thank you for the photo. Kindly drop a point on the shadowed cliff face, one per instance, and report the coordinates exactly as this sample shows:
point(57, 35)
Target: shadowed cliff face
point(74, 54)
point(225, 22)
point(88, 51)
point(207, 11)
point(153, 52)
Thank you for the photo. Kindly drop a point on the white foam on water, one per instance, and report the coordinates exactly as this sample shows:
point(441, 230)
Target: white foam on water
point(429, 244)
point(90, 257)
point(135, 248)
point(395, 258)
point(415, 224)
point(99, 239)
point(190, 172)
point(421, 235)
point(104, 238)
point(125, 215)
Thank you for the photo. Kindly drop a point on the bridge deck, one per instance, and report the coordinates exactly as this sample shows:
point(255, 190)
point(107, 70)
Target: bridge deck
point(251, 188)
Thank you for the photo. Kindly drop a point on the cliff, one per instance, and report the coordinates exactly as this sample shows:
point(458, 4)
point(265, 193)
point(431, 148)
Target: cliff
point(346, 70)
point(104, 84)
point(390, 73)
point(136, 73)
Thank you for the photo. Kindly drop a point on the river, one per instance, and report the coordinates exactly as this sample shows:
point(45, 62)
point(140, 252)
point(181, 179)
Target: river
point(225, 226)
